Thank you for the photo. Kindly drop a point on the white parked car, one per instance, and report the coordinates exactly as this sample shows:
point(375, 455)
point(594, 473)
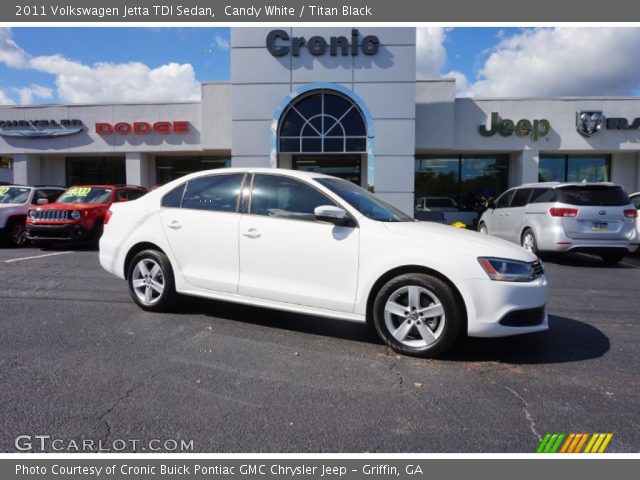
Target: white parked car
point(314, 244)
point(15, 203)
point(583, 217)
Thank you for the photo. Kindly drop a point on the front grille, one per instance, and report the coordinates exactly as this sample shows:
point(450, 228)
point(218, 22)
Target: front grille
point(538, 268)
point(51, 215)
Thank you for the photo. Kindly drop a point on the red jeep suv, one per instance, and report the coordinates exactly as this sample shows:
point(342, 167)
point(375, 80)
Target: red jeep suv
point(78, 215)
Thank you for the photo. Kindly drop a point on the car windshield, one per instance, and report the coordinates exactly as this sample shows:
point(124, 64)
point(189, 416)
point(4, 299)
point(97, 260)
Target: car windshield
point(364, 201)
point(85, 195)
point(14, 194)
point(595, 195)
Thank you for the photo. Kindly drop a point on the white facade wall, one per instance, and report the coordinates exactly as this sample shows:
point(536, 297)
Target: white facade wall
point(385, 82)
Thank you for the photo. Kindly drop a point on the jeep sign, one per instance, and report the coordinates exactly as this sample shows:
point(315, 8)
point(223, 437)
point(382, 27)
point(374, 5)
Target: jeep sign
point(522, 128)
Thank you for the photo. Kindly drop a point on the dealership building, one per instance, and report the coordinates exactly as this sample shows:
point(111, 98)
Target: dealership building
point(344, 101)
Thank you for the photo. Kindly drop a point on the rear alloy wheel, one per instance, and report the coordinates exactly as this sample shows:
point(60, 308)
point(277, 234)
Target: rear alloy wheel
point(482, 228)
point(528, 242)
point(151, 282)
point(611, 258)
point(17, 234)
point(417, 314)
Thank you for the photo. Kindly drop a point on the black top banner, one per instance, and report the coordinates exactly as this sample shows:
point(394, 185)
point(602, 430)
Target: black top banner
point(295, 11)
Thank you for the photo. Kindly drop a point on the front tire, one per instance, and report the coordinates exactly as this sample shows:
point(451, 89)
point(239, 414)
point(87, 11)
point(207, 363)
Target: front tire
point(417, 314)
point(482, 228)
point(151, 281)
point(17, 235)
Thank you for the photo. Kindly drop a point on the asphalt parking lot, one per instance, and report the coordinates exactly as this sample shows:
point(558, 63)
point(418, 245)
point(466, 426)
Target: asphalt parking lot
point(80, 361)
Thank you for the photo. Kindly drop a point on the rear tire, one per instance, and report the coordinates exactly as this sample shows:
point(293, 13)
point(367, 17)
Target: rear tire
point(417, 314)
point(151, 281)
point(612, 258)
point(528, 242)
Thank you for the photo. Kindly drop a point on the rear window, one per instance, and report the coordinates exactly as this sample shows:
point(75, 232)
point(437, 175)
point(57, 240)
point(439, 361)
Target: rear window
point(593, 195)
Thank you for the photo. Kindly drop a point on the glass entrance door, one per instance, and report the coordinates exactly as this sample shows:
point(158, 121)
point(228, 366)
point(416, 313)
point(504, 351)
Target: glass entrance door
point(348, 167)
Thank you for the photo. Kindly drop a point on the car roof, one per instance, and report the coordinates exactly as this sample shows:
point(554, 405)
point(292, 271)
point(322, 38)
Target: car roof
point(280, 171)
point(567, 184)
point(107, 186)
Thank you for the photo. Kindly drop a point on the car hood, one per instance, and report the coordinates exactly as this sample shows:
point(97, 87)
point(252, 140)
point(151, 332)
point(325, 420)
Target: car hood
point(461, 239)
point(72, 206)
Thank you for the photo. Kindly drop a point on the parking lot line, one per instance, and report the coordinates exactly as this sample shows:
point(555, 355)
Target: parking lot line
point(37, 256)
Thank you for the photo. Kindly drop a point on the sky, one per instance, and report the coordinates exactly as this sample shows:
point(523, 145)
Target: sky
point(86, 65)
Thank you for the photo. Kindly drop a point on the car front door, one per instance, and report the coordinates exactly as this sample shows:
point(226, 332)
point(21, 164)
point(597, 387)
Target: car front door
point(514, 215)
point(286, 255)
point(200, 220)
point(500, 214)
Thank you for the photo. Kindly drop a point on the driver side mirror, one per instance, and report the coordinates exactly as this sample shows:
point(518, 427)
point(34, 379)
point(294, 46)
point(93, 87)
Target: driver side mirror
point(42, 201)
point(491, 204)
point(331, 214)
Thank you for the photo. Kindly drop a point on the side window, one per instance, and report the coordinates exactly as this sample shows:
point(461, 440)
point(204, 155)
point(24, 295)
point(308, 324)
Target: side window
point(285, 197)
point(218, 193)
point(636, 202)
point(505, 199)
point(521, 197)
point(122, 196)
point(37, 195)
point(543, 195)
point(173, 199)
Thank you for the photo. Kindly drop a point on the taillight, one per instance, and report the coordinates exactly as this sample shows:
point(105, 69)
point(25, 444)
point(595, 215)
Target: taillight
point(631, 213)
point(107, 216)
point(563, 212)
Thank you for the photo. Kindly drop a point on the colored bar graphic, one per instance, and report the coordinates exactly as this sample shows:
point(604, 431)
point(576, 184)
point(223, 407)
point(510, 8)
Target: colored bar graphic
point(597, 442)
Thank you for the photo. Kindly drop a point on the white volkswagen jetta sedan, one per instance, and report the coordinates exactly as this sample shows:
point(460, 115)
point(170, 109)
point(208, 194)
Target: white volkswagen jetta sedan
point(320, 245)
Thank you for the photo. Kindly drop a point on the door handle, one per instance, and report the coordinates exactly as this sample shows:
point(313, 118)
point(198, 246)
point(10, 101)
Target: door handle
point(252, 233)
point(175, 225)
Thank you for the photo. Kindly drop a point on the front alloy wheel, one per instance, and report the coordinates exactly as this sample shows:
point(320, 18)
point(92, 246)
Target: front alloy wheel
point(417, 314)
point(414, 316)
point(151, 281)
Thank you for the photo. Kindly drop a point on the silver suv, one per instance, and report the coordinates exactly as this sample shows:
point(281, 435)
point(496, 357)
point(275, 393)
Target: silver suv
point(585, 217)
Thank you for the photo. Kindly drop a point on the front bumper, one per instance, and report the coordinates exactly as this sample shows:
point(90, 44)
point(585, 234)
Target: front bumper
point(500, 309)
point(68, 232)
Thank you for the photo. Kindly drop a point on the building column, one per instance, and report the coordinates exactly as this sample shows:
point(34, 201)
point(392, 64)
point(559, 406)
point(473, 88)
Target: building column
point(138, 169)
point(26, 169)
point(523, 167)
point(394, 180)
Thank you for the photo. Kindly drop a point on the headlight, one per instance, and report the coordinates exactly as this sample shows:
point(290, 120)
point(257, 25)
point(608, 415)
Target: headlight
point(506, 270)
point(32, 214)
point(76, 214)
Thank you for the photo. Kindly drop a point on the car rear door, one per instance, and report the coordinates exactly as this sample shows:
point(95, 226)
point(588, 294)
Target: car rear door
point(288, 256)
point(200, 220)
point(598, 212)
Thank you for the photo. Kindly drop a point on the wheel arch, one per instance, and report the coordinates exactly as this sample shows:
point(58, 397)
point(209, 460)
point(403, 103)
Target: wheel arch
point(20, 217)
point(136, 249)
point(404, 269)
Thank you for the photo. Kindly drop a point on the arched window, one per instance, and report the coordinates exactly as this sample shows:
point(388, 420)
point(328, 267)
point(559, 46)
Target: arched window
point(322, 121)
